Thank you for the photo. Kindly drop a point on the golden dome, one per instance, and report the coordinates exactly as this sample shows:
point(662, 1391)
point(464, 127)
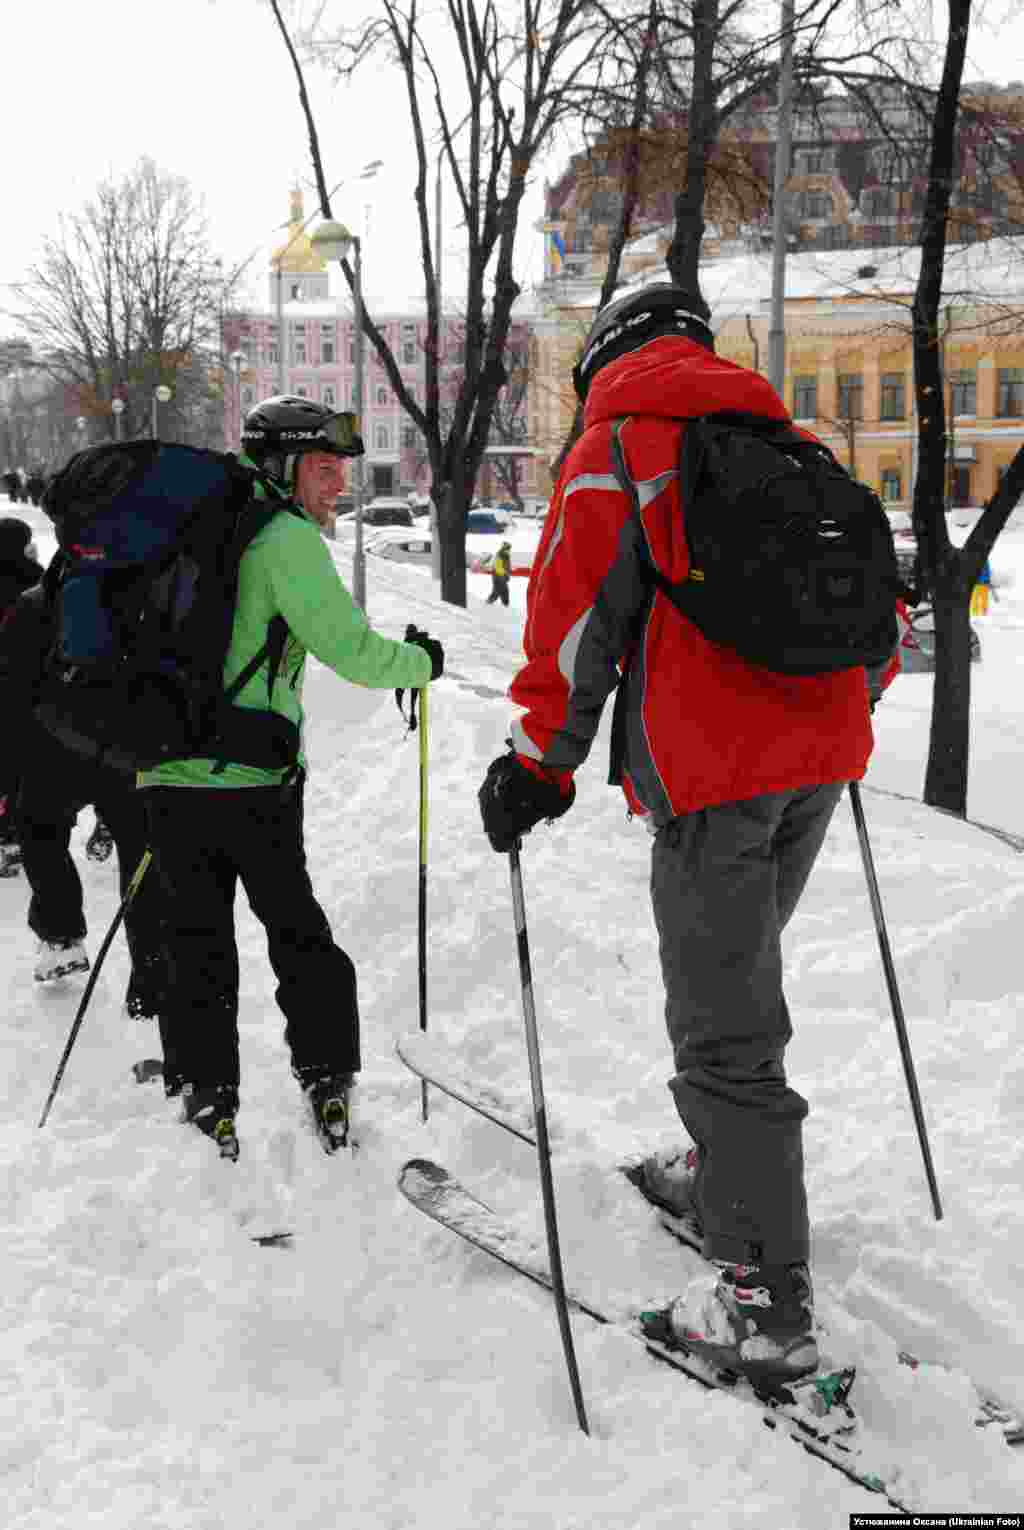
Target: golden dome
point(297, 254)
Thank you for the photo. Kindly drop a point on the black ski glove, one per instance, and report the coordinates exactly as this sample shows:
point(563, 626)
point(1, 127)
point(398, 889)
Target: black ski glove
point(513, 799)
point(431, 647)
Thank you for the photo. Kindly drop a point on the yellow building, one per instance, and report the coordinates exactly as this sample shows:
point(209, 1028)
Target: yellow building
point(849, 371)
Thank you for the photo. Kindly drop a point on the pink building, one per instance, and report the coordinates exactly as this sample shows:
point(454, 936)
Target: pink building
point(303, 343)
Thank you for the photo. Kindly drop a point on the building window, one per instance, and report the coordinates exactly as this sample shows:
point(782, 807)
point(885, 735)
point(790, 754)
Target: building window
point(351, 352)
point(960, 485)
point(298, 352)
point(1011, 393)
point(248, 397)
point(851, 395)
point(382, 396)
point(894, 406)
point(327, 396)
point(273, 355)
point(408, 437)
point(805, 398)
point(326, 353)
point(892, 484)
point(355, 397)
point(381, 438)
point(815, 204)
point(964, 390)
point(295, 292)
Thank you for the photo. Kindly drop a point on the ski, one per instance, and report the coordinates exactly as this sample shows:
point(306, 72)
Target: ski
point(438, 1065)
point(814, 1412)
point(992, 1410)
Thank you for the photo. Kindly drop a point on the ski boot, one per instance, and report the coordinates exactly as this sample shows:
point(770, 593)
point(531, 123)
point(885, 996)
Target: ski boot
point(328, 1095)
point(100, 842)
point(10, 860)
point(59, 959)
point(212, 1109)
point(755, 1321)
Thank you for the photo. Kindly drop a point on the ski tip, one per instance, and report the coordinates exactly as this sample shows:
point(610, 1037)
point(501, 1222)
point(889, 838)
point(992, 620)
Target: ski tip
point(273, 1240)
point(422, 1170)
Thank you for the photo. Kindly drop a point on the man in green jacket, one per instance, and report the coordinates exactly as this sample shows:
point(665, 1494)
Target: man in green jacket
point(213, 824)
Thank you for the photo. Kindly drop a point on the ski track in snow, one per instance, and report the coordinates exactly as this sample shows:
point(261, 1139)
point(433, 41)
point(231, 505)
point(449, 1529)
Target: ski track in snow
point(161, 1371)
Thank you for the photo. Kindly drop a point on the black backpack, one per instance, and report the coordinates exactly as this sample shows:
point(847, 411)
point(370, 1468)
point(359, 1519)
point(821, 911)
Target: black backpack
point(792, 561)
point(143, 597)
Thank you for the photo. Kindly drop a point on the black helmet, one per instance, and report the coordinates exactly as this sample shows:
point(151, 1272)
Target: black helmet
point(630, 321)
point(282, 428)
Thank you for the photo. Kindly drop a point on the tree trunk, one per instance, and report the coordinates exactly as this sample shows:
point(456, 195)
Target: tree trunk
point(946, 775)
point(451, 520)
point(683, 255)
point(945, 784)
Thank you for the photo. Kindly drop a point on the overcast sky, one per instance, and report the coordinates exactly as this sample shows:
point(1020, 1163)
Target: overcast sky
point(206, 89)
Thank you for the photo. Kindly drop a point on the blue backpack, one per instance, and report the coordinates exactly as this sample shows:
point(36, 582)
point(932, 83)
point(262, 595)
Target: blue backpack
point(143, 592)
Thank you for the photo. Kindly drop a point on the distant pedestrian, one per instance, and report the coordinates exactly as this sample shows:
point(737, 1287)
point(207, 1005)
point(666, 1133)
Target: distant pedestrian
point(982, 590)
point(501, 569)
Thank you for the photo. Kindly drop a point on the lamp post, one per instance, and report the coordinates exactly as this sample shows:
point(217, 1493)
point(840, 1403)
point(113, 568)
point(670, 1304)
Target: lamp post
point(117, 410)
point(82, 424)
point(333, 241)
point(238, 359)
point(161, 395)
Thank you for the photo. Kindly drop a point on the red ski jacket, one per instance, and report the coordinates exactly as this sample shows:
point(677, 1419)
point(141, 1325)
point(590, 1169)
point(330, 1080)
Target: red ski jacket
point(696, 723)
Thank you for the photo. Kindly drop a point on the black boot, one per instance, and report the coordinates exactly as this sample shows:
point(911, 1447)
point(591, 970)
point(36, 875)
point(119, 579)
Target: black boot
point(212, 1108)
point(328, 1096)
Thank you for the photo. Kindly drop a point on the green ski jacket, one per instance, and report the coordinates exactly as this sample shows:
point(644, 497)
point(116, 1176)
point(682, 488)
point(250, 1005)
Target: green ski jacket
point(287, 569)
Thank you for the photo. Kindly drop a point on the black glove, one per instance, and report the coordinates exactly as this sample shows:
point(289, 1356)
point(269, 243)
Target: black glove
point(512, 799)
point(431, 647)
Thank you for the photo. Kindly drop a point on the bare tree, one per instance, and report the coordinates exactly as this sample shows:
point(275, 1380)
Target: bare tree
point(517, 79)
point(950, 572)
point(127, 296)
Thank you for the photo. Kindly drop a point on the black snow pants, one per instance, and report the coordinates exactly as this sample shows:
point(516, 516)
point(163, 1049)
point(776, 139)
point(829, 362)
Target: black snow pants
point(207, 840)
point(55, 786)
point(725, 881)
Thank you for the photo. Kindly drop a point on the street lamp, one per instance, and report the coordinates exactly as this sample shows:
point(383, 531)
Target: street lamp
point(82, 424)
point(161, 395)
point(333, 241)
point(117, 410)
point(367, 173)
point(238, 360)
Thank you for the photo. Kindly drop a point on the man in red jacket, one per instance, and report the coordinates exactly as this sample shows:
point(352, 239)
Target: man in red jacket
point(737, 771)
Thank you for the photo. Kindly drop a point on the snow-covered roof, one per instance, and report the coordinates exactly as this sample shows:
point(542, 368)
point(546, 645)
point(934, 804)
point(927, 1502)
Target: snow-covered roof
point(990, 271)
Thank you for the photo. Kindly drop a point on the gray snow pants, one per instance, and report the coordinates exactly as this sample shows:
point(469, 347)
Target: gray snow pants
point(725, 881)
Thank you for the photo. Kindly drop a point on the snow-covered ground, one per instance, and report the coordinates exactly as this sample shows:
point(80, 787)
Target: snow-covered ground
point(161, 1371)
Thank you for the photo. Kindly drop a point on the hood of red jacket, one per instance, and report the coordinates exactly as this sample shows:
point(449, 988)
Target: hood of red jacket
point(678, 378)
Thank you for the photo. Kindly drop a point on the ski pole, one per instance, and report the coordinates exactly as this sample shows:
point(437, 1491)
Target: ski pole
point(133, 887)
point(423, 884)
point(894, 996)
point(543, 1145)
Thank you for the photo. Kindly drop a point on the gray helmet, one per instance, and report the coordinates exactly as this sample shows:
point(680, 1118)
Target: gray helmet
point(281, 428)
point(631, 320)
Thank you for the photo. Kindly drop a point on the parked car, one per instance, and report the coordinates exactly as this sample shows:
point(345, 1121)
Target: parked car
point(398, 545)
point(486, 522)
point(917, 648)
point(383, 511)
